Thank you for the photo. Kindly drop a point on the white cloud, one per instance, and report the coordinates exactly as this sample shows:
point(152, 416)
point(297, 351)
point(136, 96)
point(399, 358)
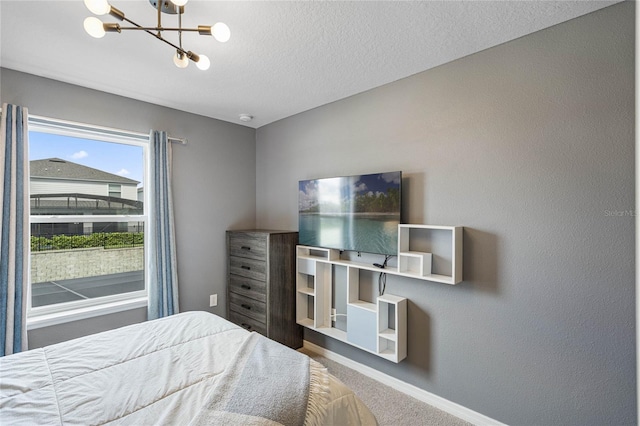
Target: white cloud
point(80, 154)
point(308, 196)
point(393, 177)
point(123, 172)
point(359, 187)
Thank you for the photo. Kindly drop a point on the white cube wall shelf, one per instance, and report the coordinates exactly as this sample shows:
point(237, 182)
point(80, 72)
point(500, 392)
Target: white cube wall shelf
point(425, 252)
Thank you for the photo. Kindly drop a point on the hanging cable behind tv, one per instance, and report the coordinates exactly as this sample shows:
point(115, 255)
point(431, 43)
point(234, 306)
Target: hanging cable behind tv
point(382, 278)
point(384, 264)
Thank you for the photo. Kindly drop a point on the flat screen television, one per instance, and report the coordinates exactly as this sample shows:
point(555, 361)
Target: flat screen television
point(357, 213)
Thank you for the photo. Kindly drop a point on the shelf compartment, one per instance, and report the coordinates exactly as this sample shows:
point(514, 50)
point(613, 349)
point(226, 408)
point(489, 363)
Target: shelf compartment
point(317, 253)
point(313, 288)
point(305, 282)
point(387, 347)
point(305, 311)
point(413, 262)
point(392, 330)
point(306, 266)
point(353, 291)
point(442, 243)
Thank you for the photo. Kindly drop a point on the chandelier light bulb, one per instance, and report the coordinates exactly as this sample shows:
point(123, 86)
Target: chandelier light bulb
point(179, 2)
point(93, 26)
point(221, 32)
point(180, 60)
point(98, 7)
point(204, 63)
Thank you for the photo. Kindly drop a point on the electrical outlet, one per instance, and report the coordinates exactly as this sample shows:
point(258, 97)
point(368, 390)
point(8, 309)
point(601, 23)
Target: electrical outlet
point(213, 300)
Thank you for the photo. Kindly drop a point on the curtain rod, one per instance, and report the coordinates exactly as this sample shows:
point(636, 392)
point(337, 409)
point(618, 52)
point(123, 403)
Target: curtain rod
point(181, 141)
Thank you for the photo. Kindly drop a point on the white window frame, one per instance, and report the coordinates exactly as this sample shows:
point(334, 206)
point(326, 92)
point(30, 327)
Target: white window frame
point(44, 316)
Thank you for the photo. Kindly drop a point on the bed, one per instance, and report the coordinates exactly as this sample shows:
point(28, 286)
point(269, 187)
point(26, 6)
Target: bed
point(191, 368)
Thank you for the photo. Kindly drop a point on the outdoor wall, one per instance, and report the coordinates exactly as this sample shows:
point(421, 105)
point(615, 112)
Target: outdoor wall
point(530, 147)
point(57, 186)
point(213, 185)
point(53, 265)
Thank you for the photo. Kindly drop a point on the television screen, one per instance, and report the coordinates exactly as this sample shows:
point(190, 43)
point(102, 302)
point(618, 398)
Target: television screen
point(358, 213)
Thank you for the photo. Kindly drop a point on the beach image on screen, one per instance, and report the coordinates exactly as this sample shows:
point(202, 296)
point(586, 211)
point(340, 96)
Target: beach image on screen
point(358, 213)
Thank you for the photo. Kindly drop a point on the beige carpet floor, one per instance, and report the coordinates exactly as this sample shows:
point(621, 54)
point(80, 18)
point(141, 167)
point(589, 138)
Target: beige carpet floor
point(391, 407)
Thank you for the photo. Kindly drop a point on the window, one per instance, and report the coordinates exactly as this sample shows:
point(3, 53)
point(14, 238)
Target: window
point(88, 217)
point(115, 190)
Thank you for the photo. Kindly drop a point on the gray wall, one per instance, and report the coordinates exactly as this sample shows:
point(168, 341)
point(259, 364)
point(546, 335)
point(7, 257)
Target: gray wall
point(529, 146)
point(213, 185)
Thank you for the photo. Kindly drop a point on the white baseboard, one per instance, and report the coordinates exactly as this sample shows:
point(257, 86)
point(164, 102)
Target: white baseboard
point(406, 388)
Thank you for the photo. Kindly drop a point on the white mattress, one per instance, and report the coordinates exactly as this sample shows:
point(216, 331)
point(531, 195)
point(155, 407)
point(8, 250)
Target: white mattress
point(157, 372)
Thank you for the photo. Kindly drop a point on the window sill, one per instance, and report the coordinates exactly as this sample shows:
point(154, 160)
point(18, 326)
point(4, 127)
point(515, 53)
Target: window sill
point(46, 320)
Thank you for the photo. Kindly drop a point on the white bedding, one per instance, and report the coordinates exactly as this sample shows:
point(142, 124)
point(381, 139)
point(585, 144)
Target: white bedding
point(157, 372)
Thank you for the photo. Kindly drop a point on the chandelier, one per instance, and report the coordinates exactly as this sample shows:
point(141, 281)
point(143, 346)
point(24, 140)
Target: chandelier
point(96, 28)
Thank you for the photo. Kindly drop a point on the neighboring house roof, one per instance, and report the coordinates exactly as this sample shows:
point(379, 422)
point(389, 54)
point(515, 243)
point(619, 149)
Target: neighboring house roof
point(62, 169)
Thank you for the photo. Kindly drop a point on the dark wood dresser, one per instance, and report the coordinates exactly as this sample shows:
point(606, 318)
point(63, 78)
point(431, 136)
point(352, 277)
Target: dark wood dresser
point(261, 294)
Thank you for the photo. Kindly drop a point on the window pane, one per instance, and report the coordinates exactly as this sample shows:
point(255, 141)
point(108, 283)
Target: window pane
point(82, 257)
point(74, 176)
point(79, 261)
point(115, 190)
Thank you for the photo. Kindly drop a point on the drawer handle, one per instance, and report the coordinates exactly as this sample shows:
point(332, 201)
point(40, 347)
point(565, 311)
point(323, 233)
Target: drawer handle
point(245, 248)
point(246, 287)
point(248, 268)
point(245, 325)
point(244, 305)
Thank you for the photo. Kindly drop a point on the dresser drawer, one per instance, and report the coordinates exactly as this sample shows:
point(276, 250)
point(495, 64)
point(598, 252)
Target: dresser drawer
point(250, 268)
point(248, 287)
point(247, 323)
point(248, 307)
point(248, 245)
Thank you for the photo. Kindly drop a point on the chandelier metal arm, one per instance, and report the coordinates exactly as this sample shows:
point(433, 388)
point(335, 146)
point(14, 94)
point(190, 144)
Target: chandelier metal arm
point(180, 31)
point(156, 31)
point(149, 29)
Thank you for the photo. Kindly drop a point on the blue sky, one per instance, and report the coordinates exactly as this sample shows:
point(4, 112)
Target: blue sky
point(119, 159)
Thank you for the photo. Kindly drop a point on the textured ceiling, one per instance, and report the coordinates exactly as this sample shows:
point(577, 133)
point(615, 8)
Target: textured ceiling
point(283, 57)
